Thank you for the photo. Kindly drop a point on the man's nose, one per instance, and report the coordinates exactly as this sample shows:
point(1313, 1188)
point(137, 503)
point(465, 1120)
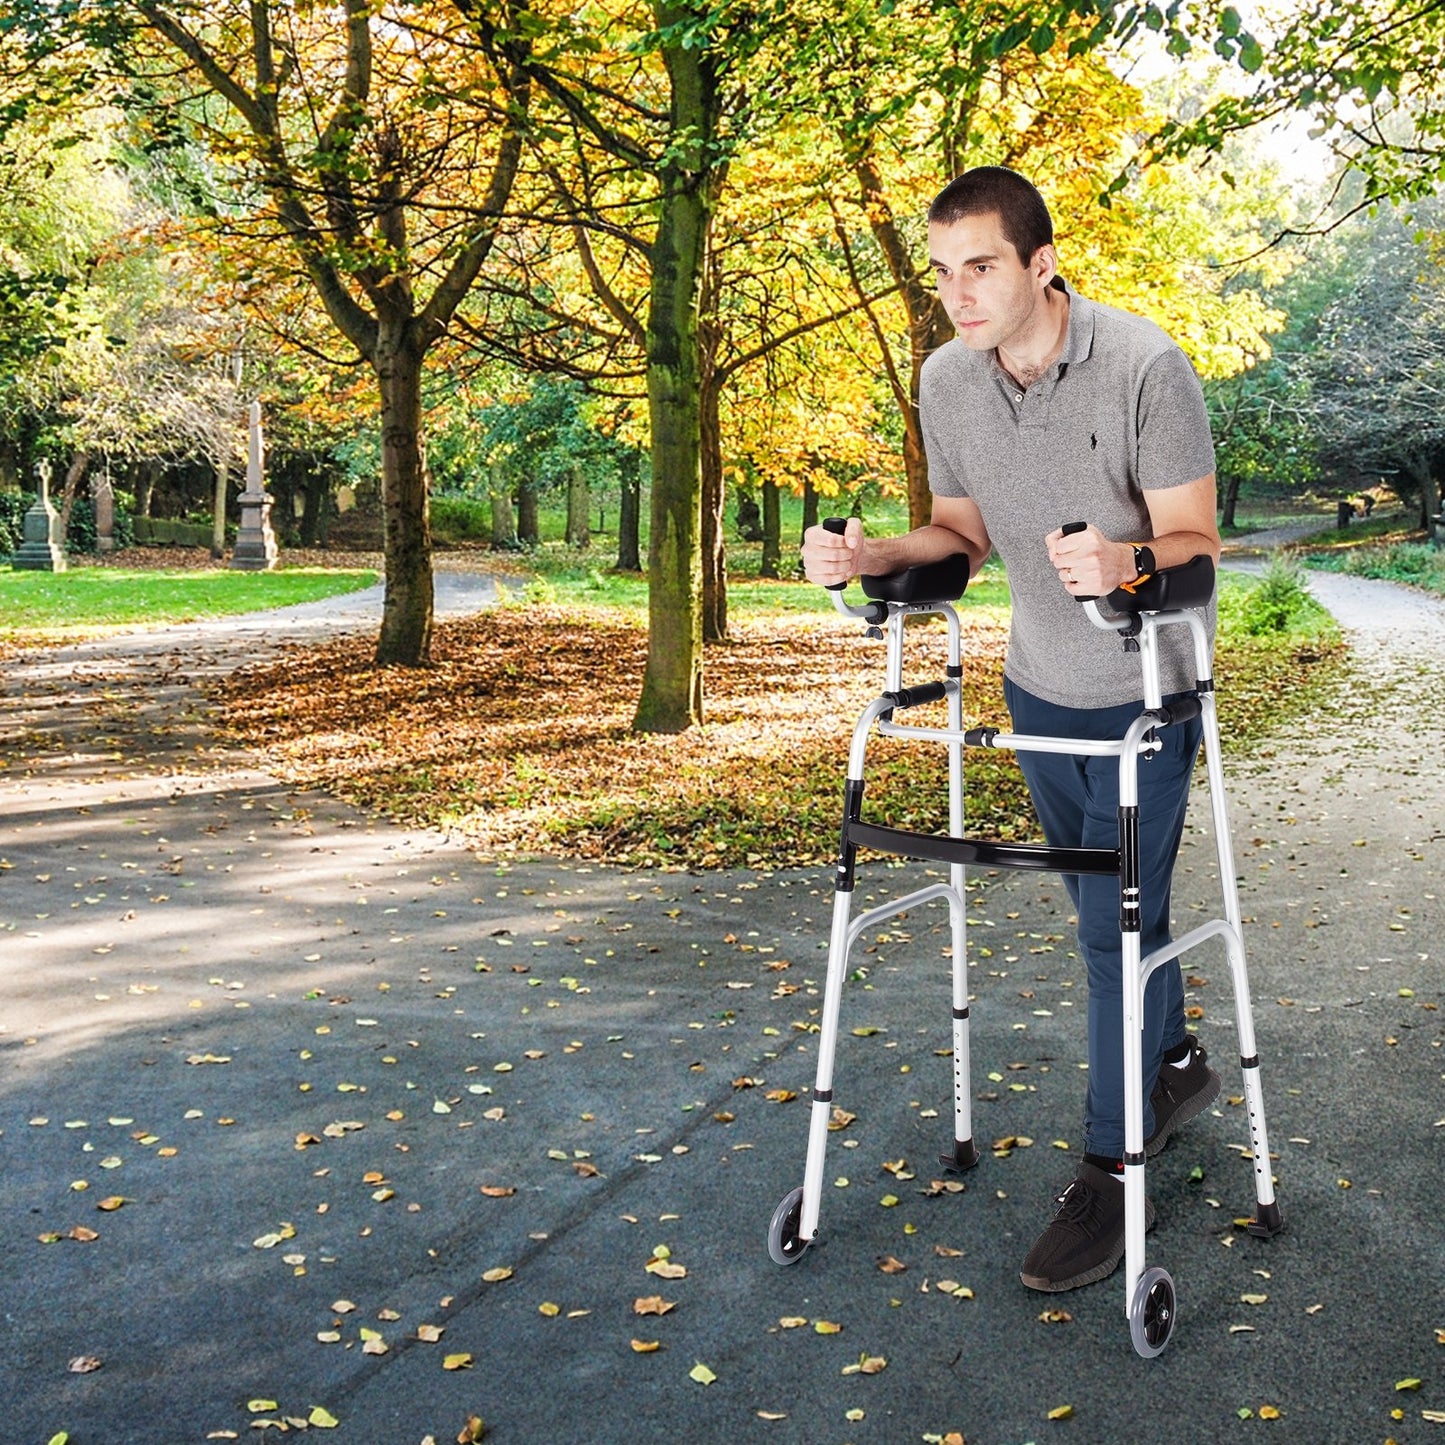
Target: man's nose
point(955, 294)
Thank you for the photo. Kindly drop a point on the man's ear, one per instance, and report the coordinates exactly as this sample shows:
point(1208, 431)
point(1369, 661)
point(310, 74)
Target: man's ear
point(1045, 265)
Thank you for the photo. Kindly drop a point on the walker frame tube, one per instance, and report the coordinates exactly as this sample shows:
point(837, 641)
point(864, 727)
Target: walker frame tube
point(1149, 1296)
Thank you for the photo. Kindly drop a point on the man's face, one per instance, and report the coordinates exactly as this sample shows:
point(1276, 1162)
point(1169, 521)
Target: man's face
point(991, 297)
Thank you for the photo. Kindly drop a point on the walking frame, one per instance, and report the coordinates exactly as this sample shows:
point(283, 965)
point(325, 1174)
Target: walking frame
point(1168, 599)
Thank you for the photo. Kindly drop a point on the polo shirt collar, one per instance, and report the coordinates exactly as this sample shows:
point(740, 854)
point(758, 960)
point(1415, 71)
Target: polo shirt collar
point(1079, 340)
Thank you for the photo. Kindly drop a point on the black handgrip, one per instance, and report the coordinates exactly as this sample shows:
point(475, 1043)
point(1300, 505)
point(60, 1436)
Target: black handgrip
point(1184, 710)
point(1068, 529)
point(920, 693)
point(838, 526)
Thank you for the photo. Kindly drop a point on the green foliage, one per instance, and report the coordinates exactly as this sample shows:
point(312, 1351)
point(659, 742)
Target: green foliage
point(1273, 603)
point(12, 521)
point(1416, 564)
point(171, 532)
point(457, 518)
point(1277, 602)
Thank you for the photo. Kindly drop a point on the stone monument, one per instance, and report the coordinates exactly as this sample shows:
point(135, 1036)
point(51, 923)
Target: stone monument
point(41, 550)
point(255, 549)
point(102, 499)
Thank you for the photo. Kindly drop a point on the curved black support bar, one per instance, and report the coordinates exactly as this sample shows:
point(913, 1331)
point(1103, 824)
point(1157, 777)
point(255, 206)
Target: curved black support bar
point(1267, 1222)
point(961, 1158)
point(1030, 857)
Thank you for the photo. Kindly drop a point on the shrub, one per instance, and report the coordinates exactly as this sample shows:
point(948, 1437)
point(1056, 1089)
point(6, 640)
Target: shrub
point(80, 535)
point(455, 518)
point(1273, 605)
point(13, 506)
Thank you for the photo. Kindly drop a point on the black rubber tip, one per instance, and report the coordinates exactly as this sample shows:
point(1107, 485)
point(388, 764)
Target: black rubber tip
point(964, 1156)
point(1267, 1222)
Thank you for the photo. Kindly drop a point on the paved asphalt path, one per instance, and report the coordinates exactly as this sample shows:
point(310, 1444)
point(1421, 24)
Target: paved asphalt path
point(375, 1108)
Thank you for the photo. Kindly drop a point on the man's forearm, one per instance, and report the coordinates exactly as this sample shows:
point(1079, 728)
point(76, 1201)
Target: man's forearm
point(932, 543)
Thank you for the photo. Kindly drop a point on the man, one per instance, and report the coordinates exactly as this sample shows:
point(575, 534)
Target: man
point(1046, 409)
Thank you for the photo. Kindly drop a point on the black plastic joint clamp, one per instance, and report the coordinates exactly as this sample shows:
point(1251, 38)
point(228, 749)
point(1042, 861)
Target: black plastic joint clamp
point(980, 737)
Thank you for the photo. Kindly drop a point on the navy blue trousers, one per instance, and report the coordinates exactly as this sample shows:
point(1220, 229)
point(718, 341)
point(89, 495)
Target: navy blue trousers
point(1077, 801)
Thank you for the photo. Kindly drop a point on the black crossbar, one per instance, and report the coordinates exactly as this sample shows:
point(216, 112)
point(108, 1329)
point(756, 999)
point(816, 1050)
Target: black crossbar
point(943, 849)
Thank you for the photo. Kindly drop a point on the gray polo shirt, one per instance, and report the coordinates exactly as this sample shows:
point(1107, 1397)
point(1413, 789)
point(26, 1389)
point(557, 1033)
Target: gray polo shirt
point(1119, 414)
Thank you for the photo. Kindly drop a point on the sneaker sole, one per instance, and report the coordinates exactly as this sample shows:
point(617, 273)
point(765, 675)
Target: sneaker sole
point(1102, 1270)
point(1191, 1108)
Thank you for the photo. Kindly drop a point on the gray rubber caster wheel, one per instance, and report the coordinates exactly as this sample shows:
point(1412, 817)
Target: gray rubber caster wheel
point(785, 1244)
point(1152, 1312)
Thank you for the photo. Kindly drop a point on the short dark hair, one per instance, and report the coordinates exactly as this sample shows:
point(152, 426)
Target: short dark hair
point(996, 190)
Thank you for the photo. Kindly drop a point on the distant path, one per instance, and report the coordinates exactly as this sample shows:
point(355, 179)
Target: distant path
point(1398, 632)
point(130, 694)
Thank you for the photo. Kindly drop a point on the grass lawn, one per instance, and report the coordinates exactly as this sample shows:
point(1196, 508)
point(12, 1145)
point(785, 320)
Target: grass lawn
point(92, 600)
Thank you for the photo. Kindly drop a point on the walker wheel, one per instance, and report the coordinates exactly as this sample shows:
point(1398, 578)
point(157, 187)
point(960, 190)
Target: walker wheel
point(1152, 1312)
point(785, 1244)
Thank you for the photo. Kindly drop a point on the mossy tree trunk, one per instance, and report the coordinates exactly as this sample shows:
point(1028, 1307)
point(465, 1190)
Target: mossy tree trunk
point(671, 699)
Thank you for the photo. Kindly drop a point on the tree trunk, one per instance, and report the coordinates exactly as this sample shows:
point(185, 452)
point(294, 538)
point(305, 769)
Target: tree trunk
point(1231, 500)
point(629, 522)
point(749, 518)
point(772, 531)
point(78, 463)
point(9, 465)
point(579, 509)
point(149, 472)
point(406, 613)
point(529, 531)
point(714, 499)
point(504, 520)
point(810, 512)
point(671, 699)
point(317, 508)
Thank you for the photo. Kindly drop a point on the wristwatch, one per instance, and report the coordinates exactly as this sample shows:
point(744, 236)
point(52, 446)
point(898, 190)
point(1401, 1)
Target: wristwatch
point(1143, 561)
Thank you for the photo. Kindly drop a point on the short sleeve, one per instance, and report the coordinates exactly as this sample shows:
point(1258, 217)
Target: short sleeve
point(943, 478)
point(1175, 446)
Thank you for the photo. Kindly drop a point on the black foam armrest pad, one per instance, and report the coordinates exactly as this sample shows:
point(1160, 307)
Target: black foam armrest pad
point(942, 581)
point(1189, 585)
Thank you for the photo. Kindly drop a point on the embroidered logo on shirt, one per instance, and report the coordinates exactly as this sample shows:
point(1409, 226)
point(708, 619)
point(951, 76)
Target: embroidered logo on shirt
point(1093, 441)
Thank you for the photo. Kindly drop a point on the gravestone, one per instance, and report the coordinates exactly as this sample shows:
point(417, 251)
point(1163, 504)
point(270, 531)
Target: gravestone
point(102, 499)
point(41, 549)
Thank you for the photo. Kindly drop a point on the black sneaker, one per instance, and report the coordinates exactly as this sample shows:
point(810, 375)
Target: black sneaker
point(1085, 1239)
point(1179, 1095)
